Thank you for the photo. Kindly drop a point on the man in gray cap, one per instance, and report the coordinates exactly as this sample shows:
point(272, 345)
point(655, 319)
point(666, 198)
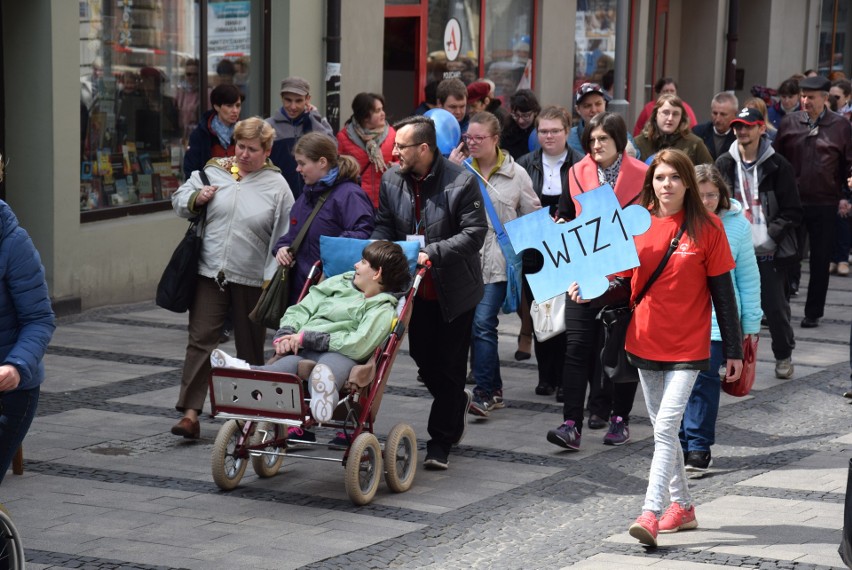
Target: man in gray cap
point(818, 143)
point(295, 117)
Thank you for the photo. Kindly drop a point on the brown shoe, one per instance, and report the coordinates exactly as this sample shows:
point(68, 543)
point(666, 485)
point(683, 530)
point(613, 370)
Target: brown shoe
point(187, 428)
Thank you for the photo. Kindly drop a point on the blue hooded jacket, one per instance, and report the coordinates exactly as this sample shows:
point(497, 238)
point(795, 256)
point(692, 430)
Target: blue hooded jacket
point(26, 316)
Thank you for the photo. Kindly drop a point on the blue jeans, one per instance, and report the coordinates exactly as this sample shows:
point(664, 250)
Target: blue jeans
point(486, 360)
point(19, 408)
point(666, 394)
point(842, 241)
point(698, 430)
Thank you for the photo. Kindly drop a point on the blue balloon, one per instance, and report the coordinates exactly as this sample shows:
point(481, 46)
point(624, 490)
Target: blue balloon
point(532, 142)
point(447, 129)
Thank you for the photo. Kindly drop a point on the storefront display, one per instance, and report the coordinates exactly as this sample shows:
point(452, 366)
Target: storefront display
point(138, 99)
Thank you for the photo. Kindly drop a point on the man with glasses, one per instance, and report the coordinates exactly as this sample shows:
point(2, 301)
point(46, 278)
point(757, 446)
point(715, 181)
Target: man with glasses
point(428, 199)
point(764, 183)
point(515, 136)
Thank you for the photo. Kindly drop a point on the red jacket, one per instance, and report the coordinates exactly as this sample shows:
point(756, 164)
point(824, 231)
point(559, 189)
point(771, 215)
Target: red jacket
point(628, 185)
point(371, 178)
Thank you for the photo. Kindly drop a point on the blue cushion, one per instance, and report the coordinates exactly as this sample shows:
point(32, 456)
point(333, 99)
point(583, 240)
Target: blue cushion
point(339, 254)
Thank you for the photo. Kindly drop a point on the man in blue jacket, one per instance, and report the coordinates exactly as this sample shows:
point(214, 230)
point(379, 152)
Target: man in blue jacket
point(295, 118)
point(26, 326)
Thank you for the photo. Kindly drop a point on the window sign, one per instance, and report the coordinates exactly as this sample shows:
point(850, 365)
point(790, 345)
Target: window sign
point(451, 56)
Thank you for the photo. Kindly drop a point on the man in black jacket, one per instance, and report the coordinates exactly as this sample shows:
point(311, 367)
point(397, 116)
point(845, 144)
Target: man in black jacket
point(717, 134)
point(818, 144)
point(774, 210)
point(428, 199)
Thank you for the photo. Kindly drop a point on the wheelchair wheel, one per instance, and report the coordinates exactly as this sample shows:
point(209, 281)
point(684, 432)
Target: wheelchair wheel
point(267, 465)
point(227, 465)
point(400, 458)
point(363, 469)
point(11, 547)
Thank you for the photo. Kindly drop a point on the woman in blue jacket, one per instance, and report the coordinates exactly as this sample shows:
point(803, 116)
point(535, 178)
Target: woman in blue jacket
point(698, 431)
point(26, 325)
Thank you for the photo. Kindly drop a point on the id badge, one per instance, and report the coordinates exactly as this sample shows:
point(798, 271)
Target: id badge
point(418, 238)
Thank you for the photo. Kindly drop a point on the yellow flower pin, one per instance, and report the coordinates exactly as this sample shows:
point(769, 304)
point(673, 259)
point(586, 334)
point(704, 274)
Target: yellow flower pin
point(235, 172)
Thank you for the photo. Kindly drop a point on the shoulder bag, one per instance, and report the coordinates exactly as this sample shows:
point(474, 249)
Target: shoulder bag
point(512, 301)
point(176, 289)
point(616, 319)
point(275, 296)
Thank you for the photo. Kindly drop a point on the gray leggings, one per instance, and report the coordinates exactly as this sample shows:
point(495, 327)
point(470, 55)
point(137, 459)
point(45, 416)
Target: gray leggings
point(340, 365)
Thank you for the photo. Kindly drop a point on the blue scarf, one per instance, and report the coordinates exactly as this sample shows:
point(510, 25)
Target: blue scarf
point(328, 179)
point(223, 132)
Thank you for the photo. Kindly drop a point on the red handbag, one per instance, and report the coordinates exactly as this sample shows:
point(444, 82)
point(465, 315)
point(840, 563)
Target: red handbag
point(743, 386)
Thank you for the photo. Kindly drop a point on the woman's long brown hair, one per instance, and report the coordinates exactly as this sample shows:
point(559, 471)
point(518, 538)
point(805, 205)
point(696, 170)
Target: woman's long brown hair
point(695, 214)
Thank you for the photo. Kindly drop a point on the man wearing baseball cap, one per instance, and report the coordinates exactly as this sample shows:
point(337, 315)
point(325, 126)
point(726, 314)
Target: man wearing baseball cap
point(764, 183)
point(818, 143)
point(295, 117)
point(589, 100)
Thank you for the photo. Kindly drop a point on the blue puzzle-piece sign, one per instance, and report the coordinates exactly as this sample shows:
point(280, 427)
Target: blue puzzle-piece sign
point(597, 243)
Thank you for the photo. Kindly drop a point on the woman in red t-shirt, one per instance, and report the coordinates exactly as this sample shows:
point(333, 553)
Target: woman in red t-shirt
point(667, 337)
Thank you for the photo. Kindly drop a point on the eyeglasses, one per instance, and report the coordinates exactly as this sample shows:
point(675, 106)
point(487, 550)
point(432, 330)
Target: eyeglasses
point(671, 113)
point(475, 139)
point(710, 196)
point(398, 146)
point(551, 132)
point(528, 115)
point(599, 140)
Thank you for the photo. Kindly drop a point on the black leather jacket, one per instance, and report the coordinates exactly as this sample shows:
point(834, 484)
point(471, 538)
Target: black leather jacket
point(454, 223)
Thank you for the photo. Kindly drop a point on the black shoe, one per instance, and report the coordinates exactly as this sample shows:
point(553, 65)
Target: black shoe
point(698, 461)
point(809, 323)
point(544, 390)
point(420, 379)
point(225, 335)
point(436, 459)
point(560, 394)
point(596, 422)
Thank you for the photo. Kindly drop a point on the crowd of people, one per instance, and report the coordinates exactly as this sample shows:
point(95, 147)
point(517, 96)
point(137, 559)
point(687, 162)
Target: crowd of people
point(744, 197)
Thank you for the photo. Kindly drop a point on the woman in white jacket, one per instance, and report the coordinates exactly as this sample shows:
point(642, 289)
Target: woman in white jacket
point(248, 206)
point(510, 190)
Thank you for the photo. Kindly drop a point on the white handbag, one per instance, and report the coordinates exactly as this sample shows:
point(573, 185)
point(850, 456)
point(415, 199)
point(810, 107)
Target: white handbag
point(548, 317)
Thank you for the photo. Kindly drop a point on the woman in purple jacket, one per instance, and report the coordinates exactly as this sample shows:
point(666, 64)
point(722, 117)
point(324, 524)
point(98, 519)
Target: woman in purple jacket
point(347, 211)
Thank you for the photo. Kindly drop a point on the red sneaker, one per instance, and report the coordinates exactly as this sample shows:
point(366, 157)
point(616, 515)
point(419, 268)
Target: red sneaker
point(677, 518)
point(645, 528)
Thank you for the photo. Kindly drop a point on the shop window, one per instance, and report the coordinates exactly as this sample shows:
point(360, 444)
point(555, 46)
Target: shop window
point(833, 50)
point(453, 40)
point(594, 41)
point(139, 97)
point(508, 45)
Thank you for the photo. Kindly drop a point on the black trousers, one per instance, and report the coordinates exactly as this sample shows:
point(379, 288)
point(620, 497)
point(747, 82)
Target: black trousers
point(774, 300)
point(440, 351)
point(584, 339)
point(820, 225)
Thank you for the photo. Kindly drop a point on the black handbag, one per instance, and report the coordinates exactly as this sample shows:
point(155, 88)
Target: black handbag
point(275, 297)
point(615, 321)
point(176, 289)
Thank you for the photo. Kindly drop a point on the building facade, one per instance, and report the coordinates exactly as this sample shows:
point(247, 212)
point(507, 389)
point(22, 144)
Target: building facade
point(94, 192)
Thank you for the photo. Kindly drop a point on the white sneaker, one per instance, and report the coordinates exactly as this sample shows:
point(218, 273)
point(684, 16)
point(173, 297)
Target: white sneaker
point(468, 399)
point(324, 396)
point(220, 359)
point(784, 368)
point(843, 269)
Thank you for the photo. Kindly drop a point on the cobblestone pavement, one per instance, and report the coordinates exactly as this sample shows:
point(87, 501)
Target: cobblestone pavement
point(107, 486)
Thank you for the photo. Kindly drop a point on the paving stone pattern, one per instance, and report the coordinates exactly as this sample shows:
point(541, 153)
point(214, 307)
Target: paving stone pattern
point(106, 486)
